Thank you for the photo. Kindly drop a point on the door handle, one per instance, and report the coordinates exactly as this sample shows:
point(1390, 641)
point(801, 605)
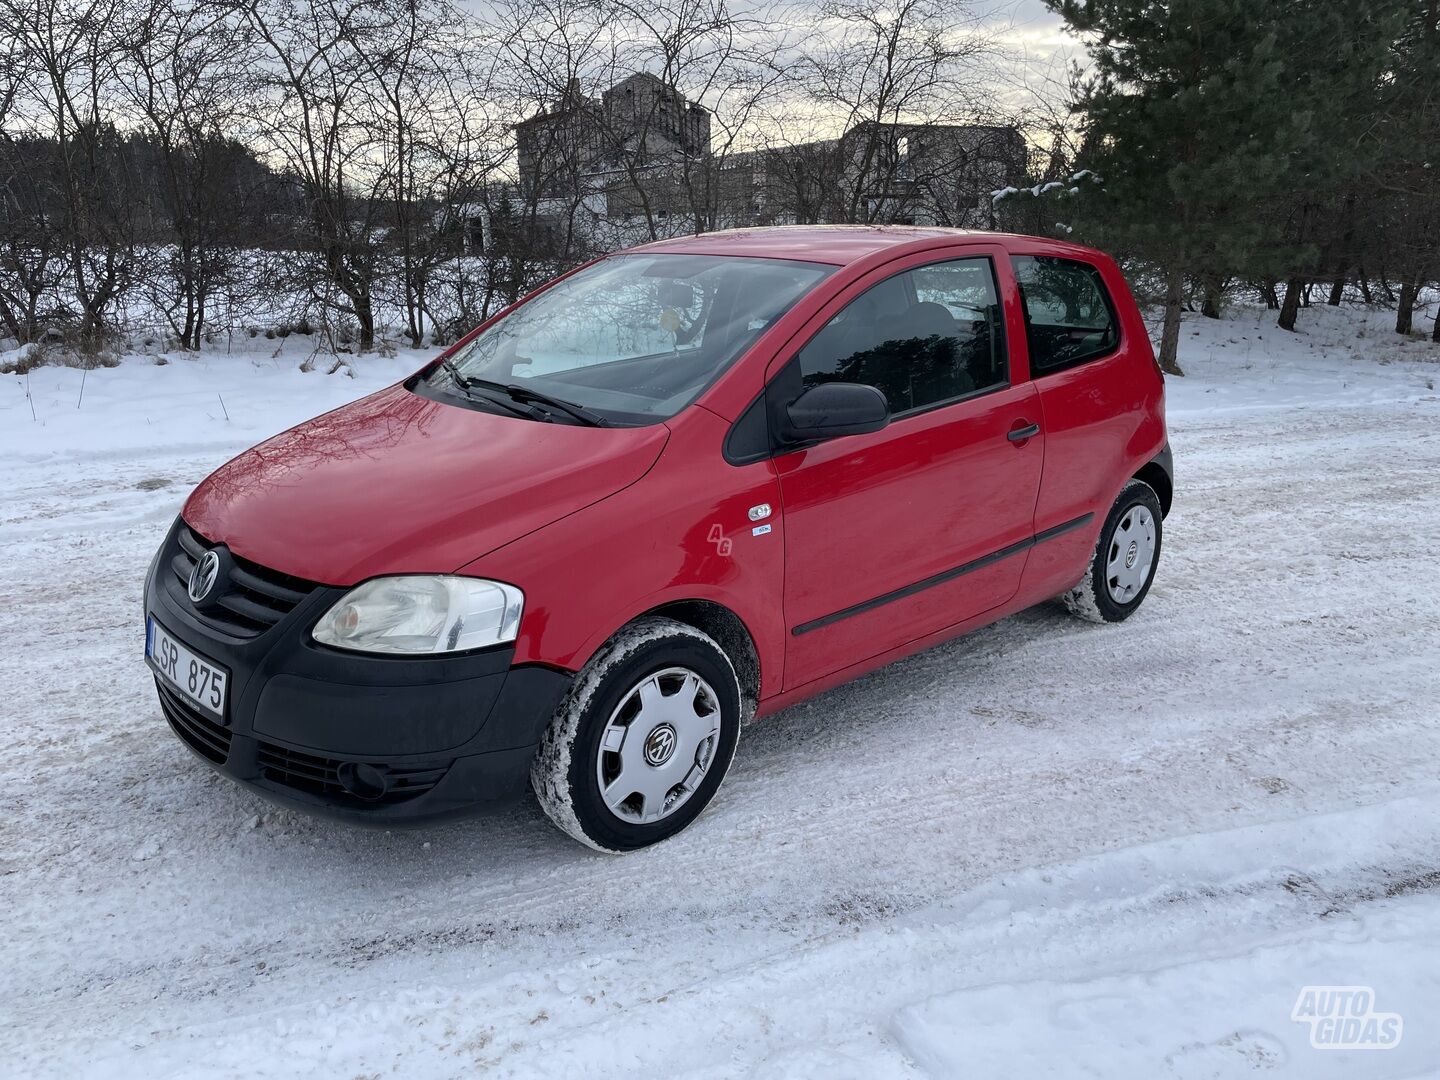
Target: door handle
point(1021, 434)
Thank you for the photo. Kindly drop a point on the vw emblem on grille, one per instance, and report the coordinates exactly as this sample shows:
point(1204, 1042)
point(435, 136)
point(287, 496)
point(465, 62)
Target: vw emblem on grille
point(203, 577)
point(660, 744)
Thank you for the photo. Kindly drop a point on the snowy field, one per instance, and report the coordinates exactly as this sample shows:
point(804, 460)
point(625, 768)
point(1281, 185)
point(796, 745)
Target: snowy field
point(1048, 849)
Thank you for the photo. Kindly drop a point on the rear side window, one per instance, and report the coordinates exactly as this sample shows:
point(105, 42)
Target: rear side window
point(1068, 316)
point(924, 337)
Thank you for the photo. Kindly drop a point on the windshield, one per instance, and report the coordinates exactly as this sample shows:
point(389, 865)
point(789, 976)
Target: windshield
point(634, 338)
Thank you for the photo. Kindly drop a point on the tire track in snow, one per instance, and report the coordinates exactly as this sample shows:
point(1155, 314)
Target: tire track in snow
point(1027, 743)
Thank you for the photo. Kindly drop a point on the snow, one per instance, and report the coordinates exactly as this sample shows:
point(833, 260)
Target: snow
point(1047, 849)
point(1043, 189)
point(1212, 997)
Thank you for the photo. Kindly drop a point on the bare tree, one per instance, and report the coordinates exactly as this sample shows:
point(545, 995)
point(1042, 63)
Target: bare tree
point(720, 58)
point(313, 109)
point(183, 77)
point(887, 76)
point(551, 50)
point(29, 242)
point(61, 89)
point(32, 252)
point(439, 138)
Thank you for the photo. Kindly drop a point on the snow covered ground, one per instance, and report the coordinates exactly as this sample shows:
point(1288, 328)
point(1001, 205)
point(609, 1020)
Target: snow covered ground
point(1048, 849)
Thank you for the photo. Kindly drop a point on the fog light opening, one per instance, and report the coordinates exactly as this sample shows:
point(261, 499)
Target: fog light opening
point(363, 781)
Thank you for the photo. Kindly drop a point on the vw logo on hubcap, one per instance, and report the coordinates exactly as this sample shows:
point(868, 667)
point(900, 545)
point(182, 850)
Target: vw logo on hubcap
point(203, 577)
point(659, 745)
point(1130, 554)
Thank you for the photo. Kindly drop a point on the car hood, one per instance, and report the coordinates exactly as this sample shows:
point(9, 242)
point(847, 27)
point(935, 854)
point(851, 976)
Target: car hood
point(399, 483)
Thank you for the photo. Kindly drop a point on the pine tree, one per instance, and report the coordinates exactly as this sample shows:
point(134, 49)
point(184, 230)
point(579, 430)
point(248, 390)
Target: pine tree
point(1219, 128)
point(1407, 184)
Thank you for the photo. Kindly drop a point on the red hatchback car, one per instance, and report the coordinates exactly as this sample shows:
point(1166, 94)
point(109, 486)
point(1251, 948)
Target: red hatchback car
point(677, 488)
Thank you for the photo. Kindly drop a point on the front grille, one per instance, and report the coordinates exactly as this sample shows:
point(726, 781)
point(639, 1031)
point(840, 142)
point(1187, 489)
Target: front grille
point(253, 598)
point(201, 733)
point(320, 776)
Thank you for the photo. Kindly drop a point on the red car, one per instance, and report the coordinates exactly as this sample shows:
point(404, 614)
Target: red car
point(677, 488)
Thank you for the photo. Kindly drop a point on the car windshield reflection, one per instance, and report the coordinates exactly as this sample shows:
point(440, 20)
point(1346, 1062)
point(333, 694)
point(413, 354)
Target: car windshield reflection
point(635, 338)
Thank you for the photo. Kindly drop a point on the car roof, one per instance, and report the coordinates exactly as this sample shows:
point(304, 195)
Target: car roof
point(835, 244)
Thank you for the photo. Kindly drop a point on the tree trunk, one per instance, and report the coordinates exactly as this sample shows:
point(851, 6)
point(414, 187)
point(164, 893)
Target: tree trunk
point(1210, 305)
point(1290, 309)
point(1365, 288)
point(365, 316)
point(202, 303)
point(1170, 332)
point(1337, 292)
point(189, 339)
point(1405, 307)
point(33, 295)
point(12, 323)
point(1435, 334)
point(415, 290)
point(1271, 297)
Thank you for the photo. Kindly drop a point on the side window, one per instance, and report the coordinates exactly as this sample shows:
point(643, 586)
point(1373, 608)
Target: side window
point(923, 337)
point(1068, 318)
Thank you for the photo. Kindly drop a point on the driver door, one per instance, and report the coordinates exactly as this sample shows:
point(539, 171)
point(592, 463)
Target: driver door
point(900, 533)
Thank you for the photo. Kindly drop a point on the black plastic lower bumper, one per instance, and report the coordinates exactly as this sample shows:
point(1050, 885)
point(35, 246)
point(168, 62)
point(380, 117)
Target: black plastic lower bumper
point(377, 740)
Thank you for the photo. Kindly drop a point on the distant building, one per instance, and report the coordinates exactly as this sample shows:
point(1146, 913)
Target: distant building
point(637, 123)
point(898, 174)
point(605, 172)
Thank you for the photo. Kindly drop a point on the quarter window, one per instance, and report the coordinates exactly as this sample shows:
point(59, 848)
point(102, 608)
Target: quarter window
point(924, 337)
point(1068, 318)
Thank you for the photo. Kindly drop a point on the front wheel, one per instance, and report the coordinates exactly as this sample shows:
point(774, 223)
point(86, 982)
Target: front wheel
point(643, 739)
point(1125, 559)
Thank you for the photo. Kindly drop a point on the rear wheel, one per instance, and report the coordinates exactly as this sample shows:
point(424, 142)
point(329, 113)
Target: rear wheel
point(1125, 558)
point(641, 743)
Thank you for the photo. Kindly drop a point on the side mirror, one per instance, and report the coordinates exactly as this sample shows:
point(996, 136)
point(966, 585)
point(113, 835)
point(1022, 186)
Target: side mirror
point(833, 409)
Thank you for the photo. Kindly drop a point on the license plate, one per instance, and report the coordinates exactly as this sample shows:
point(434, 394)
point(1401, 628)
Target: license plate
point(194, 677)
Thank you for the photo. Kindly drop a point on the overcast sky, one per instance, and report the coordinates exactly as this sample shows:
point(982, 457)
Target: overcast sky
point(1035, 51)
point(1030, 24)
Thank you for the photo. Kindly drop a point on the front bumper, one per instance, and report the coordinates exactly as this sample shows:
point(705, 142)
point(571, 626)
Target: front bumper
point(449, 736)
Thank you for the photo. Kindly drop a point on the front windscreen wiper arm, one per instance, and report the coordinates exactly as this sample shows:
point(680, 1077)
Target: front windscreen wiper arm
point(525, 394)
point(579, 412)
point(453, 370)
point(466, 384)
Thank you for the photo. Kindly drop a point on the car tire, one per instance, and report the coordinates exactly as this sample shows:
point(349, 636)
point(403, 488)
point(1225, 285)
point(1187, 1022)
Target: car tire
point(1125, 559)
point(657, 709)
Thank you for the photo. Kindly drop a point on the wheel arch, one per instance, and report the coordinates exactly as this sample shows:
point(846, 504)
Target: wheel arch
point(730, 632)
point(1158, 473)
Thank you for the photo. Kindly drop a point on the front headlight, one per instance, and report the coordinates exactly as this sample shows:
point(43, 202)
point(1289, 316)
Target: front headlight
point(422, 615)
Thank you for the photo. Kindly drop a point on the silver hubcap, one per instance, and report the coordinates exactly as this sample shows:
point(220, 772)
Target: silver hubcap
point(1132, 551)
point(658, 744)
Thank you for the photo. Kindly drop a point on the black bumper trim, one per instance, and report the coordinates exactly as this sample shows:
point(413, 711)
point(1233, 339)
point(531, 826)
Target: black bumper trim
point(202, 734)
point(448, 735)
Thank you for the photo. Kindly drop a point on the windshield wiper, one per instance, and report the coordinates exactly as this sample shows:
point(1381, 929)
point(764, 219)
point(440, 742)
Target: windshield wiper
point(525, 394)
point(453, 370)
point(466, 383)
point(520, 396)
point(579, 412)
